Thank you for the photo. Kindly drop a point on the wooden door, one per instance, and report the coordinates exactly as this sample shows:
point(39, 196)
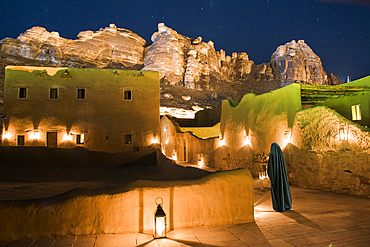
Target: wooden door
point(51, 139)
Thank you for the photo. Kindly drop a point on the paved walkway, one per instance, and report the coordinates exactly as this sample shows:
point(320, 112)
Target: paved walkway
point(317, 219)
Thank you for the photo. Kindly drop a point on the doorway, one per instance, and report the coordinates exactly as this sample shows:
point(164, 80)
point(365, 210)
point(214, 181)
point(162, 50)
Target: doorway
point(51, 139)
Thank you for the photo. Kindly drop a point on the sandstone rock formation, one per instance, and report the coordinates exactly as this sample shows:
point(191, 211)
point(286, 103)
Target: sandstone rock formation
point(183, 63)
point(109, 47)
point(235, 68)
point(296, 62)
point(167, 54)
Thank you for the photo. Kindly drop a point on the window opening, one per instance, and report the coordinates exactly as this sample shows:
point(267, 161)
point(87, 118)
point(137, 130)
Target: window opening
point(356, 112)
point(81, 93)
point(20, 140)
point(22, 93)
point(80, 139)
point(128, 139)
point(53, 93)
point(127, 95)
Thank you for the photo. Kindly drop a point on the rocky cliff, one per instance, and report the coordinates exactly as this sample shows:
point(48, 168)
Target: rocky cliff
point(193, 74)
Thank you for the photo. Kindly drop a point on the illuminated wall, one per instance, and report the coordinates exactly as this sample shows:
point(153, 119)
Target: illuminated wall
point(189, 144)
point(221, 198)
point(99, 109)
point(256, 122)
point(329, 153)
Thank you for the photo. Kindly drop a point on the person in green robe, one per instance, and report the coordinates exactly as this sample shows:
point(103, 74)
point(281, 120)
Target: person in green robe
point(276, 170)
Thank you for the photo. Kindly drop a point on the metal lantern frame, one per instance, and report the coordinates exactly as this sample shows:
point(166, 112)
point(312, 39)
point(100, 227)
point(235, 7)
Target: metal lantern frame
point(159, 220)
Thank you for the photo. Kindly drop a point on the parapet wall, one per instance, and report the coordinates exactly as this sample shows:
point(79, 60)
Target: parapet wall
point(218, 199)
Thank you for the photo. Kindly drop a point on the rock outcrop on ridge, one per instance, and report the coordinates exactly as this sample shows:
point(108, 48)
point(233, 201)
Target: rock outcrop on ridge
point(192, 72)
point(296, 62)
point(107, 47)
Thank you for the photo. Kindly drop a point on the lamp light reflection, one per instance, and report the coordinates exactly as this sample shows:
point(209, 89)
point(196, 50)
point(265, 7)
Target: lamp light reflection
point(155, 140)
point(247, 140)
point(287, 138)
point(174, 156)
point(221, 141)
point(68, 137)
point(6, 135)
point(343, 135)
point(201, 162)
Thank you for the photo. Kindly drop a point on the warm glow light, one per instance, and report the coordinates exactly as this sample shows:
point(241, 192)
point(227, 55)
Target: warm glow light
point(174, 156)
point(68, 137)
point(6, 135)
point(343, 136)
point(155, 140)
point(286, 138)
point(221, 141)
point(246, 141)
point(167, 141)
point(35, 135)
point(201, 162)
point(263, 175)
point(159, 226)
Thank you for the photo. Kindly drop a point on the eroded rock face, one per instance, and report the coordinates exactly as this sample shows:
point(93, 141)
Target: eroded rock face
point(235, 68)
point(183, 63)
point(109, 47)
point(296, 62)
point(203, 65)
point(167, 54)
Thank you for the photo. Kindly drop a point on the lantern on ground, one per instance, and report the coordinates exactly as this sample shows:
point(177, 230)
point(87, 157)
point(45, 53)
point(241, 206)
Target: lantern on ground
point(159, 220)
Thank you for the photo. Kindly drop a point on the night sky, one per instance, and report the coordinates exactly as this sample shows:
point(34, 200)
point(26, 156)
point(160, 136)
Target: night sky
point(338, 31)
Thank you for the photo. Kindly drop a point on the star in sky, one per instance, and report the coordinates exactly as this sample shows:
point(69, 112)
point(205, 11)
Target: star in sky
point(331, 28)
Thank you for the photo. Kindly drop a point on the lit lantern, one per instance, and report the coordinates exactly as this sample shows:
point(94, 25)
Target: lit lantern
point(159, 220)
point(343, 133)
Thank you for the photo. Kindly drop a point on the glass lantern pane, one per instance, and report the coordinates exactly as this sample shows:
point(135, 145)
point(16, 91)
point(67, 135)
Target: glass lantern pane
point(160, 226)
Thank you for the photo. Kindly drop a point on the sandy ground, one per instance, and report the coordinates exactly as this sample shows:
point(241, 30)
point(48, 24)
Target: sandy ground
point(37, 172)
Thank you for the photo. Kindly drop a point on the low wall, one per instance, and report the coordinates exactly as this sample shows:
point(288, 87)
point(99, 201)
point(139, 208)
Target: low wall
point(341, 171)
point(217, 199)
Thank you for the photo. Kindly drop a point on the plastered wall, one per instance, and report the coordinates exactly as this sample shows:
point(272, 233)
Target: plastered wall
point(104, 117)
point(218, 199)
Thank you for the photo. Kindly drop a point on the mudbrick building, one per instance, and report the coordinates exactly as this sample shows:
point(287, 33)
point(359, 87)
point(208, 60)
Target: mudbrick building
point(322, 129)
point(98, 109)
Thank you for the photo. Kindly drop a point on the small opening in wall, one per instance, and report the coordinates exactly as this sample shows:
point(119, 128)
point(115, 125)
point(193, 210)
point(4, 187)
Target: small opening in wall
point(20, 140)
point(128, 139)
point(53, 93)
point(22, 93)
point(81, 93)
point(127, 95)
point(80, 139)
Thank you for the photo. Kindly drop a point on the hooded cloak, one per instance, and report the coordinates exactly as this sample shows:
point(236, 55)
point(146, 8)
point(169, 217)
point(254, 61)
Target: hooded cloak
point(276, 170)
